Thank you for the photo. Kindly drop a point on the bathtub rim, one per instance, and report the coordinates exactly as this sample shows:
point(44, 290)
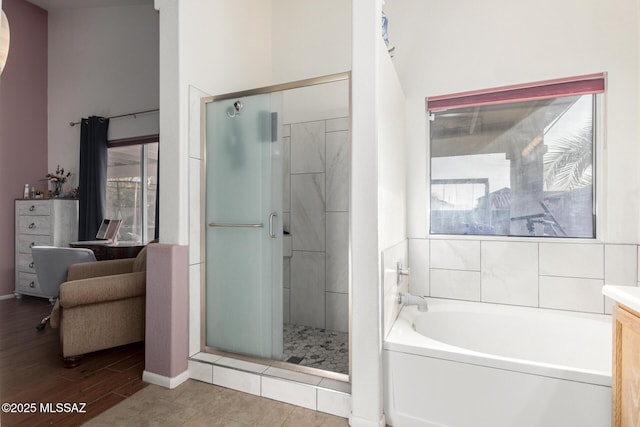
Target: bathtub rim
point(403, 338)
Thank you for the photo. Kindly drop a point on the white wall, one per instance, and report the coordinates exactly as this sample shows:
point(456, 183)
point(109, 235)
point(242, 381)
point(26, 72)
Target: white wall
point(392, 155)
point(454, 46)
point(102, 61)
point(225, 47)
point(310, 38)
point(318, 102)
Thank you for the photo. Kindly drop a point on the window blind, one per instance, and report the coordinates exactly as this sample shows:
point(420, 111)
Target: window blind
point(581, 85)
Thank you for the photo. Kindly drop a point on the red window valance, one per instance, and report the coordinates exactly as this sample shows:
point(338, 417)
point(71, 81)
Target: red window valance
point(581, 85)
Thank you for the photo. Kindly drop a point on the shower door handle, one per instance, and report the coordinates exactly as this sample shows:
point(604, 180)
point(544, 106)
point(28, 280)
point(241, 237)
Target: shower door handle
point(272, 231)
point(219, 224)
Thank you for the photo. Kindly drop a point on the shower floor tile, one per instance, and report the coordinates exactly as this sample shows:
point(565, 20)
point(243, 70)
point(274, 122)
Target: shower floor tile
point(317, 348)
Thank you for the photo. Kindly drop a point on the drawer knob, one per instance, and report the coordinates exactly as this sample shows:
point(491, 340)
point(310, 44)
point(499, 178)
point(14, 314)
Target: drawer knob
point(32, 284)
point(32, 208)
point(32, 226)
point(31, 264)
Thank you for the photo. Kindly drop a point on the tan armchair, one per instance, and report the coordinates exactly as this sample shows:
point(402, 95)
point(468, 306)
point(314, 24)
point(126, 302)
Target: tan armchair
point(101, 305)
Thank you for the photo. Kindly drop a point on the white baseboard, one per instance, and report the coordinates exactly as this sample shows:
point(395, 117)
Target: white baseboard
point(8, 296)
point(162, 381)
point(360, 422)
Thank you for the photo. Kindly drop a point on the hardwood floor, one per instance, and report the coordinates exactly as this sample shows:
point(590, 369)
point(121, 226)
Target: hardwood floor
point(31, 371)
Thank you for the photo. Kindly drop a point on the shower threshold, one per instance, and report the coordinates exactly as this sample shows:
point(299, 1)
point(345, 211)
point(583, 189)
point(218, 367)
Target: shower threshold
point(216, 356)
point(311, 388)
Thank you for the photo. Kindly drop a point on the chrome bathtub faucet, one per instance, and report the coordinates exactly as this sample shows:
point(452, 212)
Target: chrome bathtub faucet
point(409, 299)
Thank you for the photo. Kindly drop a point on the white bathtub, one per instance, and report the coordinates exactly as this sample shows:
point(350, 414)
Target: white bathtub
point(464, 364)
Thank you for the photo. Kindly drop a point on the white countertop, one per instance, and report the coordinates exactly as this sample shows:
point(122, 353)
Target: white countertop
point(628, 296)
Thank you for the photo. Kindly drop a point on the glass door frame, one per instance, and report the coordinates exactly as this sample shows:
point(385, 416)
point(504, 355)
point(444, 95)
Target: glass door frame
point(331, 78)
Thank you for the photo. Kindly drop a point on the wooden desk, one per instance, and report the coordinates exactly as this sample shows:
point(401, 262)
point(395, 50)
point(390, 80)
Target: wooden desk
point(105, 251)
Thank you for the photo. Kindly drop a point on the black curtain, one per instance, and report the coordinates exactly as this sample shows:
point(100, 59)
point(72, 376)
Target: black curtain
point(93, 176)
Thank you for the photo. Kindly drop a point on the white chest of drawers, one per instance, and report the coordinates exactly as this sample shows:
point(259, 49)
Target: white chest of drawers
point(40, 222)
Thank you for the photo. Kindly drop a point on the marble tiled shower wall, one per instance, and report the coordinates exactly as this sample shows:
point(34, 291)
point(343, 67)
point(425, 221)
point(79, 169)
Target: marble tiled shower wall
point(557, 275)
point(316, 213)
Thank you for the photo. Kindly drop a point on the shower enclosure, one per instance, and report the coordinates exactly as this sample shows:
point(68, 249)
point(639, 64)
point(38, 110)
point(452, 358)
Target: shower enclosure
point(276, 220)
point(244, 230)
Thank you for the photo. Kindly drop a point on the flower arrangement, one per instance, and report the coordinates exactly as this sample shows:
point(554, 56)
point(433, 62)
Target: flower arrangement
point(58, 178)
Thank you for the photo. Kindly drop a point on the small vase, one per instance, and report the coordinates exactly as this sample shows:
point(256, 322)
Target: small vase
point(385, 24)
point(57, 189)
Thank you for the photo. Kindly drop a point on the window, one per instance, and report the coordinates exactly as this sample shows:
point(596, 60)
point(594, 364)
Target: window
point(515, 161)
point(131, 186)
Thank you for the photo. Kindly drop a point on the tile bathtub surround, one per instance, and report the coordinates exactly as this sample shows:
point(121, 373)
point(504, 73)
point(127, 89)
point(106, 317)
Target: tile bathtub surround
point(558, 275)
point(456, 284)
point(509, 273)
point(569, 293)
point(316, 208)
point(620, 262)
point(419, 252)
point(455, 254)
point(572, 260)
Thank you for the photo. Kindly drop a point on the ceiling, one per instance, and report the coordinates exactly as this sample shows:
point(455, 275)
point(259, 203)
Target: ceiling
point(75, 4)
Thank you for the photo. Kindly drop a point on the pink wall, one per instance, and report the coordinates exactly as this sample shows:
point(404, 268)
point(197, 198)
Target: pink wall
point(167, 318)
point(23, 121)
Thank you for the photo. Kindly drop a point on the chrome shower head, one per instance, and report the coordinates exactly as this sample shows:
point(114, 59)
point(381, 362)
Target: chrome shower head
point(237, 106)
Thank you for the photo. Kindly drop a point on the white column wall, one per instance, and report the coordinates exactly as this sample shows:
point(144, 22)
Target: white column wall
point(172, 179)
point(366, 294)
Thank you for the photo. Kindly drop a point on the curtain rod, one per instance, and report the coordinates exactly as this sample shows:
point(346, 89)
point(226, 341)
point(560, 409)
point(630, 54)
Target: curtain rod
point(121, 116)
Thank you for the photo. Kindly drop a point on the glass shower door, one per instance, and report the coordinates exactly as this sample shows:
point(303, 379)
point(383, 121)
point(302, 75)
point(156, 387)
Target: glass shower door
point(244, 225)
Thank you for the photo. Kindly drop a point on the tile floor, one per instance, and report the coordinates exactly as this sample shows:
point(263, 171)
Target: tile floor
point(194, 403)
point(318, 348)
